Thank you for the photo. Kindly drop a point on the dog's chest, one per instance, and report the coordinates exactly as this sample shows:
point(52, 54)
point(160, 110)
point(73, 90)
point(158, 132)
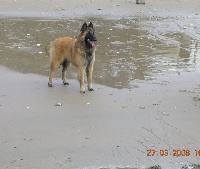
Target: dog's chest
point(87, 58)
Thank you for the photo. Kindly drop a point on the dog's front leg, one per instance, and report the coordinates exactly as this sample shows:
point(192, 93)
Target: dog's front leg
point(81, 74)
point(89, 71)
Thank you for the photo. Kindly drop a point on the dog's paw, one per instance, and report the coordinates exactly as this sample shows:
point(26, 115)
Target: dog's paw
point(50, 85)
point(91, 89)
point(65, 83)
point(82, 92)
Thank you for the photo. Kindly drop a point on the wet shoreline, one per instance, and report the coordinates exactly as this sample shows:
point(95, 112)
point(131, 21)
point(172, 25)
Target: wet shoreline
point(140, 52)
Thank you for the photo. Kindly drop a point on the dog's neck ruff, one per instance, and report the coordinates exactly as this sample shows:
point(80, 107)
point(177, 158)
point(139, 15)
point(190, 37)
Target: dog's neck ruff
point(89, 55)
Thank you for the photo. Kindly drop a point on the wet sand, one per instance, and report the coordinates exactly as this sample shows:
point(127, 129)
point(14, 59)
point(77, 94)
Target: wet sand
point(108, 128)
point(116, 126)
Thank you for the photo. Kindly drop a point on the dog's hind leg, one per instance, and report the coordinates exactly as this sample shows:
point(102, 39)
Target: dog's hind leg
point(65, 65)
point(54, 65)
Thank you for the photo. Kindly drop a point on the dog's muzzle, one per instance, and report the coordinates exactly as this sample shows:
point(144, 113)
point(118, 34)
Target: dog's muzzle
point(92, 43)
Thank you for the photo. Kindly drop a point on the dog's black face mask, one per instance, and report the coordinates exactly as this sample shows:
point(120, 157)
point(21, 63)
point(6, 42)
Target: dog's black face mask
point(90, 37)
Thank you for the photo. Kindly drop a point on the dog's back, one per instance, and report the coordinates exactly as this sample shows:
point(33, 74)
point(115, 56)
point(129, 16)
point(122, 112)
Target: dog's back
point(60, 49)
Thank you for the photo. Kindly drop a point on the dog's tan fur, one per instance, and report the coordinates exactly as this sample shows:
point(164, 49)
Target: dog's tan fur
point(67, 50)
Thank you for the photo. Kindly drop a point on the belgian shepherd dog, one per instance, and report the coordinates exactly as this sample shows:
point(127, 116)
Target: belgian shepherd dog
point(80, 52)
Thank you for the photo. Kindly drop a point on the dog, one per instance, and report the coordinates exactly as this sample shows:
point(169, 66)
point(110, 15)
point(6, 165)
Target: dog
point(80, 52)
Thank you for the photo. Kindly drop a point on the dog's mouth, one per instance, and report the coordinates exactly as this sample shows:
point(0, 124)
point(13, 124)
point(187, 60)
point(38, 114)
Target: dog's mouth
point(92, 43)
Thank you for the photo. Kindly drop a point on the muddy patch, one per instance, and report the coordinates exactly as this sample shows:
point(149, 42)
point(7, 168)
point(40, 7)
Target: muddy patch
point(129, 49)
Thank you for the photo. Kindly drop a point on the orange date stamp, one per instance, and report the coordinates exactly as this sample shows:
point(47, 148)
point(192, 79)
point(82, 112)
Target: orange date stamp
point(174, 152)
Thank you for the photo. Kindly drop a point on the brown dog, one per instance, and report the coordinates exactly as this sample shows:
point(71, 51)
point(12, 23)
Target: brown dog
point(80, 52)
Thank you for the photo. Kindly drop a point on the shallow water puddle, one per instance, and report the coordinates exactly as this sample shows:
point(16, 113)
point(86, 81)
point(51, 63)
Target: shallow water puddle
point(128, 49)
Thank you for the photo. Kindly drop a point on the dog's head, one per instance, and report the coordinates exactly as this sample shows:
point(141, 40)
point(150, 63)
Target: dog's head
point(89, 33)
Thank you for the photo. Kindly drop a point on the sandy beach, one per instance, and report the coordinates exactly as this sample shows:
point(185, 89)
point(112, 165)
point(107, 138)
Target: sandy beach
point(145, 110)
point(110, 8)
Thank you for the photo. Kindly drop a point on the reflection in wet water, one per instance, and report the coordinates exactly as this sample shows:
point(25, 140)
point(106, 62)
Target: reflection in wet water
point(127, 50)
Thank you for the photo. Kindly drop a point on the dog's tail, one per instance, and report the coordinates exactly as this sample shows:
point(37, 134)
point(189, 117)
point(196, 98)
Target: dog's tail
point(48, 48)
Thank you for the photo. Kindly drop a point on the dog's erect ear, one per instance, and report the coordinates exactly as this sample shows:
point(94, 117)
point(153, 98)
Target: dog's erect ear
point(90, 25)
point(84, 27)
